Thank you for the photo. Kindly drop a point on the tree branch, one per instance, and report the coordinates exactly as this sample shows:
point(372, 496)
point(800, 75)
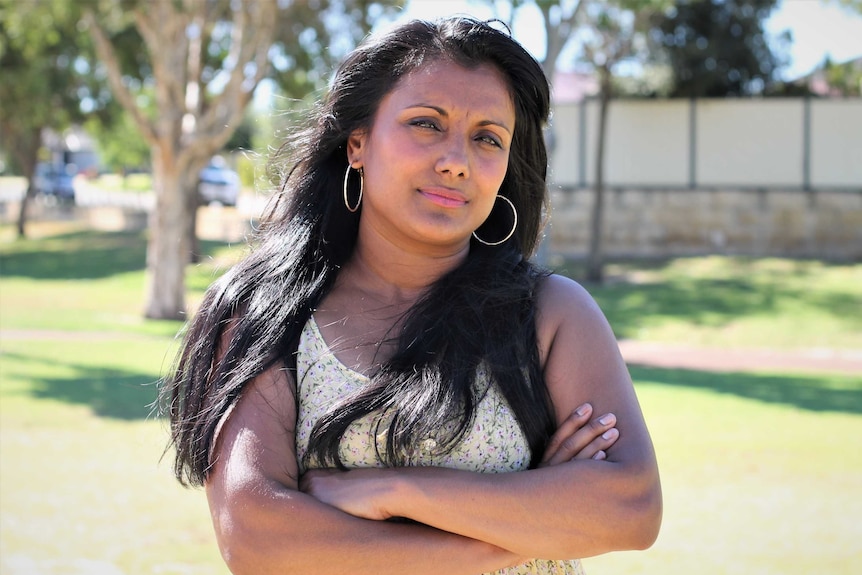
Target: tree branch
point(163, 29)
point(254, 27)
point(108, 56)
point(556, 35)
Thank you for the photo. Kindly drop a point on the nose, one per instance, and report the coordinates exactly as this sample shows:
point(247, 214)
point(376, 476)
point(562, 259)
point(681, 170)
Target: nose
point(454, 159)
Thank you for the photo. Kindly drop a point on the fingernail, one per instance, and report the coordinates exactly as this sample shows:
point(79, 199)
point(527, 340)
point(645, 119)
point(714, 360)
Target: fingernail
point(600, 455)
point(582, 410)
point(607, 419)
point(612, 433)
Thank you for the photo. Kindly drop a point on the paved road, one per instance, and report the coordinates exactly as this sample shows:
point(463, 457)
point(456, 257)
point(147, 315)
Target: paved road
point(674, 356)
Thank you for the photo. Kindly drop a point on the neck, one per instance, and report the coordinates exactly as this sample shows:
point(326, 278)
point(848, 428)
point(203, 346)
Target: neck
point(398, 273)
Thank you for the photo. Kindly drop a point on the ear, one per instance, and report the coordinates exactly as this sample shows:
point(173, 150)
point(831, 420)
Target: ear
point(355, 147)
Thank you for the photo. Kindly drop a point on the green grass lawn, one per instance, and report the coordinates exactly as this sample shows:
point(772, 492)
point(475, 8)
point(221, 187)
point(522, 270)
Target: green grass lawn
point(762, 472)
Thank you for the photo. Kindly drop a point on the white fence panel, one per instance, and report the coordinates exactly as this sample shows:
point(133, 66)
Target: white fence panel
point(647, 144)
point(836, 143)
point(566, 150)
point(782, 143)
point(744, 143)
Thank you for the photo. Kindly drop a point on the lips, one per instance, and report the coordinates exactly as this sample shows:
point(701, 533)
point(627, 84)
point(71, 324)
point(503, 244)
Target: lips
point(445, 197)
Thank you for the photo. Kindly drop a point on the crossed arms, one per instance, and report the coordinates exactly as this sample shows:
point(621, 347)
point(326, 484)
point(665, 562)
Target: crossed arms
point(597, 489)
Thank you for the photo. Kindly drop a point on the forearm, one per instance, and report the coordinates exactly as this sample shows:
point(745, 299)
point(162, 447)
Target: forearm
point(577, 509)
point(283, 531)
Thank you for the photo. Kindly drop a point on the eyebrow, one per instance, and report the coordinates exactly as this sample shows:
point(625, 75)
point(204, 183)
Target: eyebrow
point(442, 112)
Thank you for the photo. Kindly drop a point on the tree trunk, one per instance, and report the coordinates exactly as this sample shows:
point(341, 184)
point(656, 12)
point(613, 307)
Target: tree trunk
point(190, 183)
point(595, 259)
point(22, 213)
point(168, 247)
point(27, 155)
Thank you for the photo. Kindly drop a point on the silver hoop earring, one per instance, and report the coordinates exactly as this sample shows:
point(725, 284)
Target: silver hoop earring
point(511, 232)
point(361, 188)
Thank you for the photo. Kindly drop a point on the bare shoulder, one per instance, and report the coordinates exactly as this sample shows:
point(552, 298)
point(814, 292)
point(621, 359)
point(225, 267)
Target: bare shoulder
point(557, 290)
point(563, 303)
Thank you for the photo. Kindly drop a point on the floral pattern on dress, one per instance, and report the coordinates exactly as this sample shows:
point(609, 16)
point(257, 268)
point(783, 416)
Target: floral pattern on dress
point(495, 442)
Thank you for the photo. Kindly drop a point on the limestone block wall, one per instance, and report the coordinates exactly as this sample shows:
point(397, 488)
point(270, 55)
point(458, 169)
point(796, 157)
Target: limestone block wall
point(675, 222)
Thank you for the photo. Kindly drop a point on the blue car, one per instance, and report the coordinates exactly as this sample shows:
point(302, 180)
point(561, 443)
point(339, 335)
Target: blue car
point(219, 184)
point(54, 182)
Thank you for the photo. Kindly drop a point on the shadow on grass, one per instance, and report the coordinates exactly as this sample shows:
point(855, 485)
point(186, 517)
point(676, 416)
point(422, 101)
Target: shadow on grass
point(817, 392)
point(109, 392)
point(81, 255)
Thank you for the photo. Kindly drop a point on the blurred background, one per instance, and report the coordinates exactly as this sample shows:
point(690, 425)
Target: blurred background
point(706, 187)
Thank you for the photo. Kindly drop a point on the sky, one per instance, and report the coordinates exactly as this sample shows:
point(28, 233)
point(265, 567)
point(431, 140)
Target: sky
point(818, 28)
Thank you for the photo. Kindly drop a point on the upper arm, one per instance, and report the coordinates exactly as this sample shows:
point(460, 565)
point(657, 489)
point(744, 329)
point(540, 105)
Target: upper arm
point(254, 453)
point(582, 363)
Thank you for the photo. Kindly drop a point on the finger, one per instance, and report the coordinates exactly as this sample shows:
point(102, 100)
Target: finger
point(599, 445)
point(570, 425)
point(586, 441)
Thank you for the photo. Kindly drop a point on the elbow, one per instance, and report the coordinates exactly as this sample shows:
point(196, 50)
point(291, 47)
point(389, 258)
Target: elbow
point(242, 537)
point(647, 521)
point(629, 519)
point(634, 519)
point(251, 534)
point(235, 544)
point(644, 515)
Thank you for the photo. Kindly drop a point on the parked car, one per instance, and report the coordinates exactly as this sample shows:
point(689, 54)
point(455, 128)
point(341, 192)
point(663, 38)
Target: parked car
point(219, 184)
point(55, 182)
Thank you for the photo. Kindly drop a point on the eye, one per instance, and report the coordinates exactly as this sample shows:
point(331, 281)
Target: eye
point(424, 123)
point(490, 139)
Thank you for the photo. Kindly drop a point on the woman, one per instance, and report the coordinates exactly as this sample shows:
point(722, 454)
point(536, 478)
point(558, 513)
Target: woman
point(386, 384)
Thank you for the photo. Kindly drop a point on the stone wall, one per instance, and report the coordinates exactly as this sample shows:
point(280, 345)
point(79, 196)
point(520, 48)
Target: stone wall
point(676, 222)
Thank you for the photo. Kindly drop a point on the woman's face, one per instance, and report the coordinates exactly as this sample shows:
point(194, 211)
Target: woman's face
point(435, 155)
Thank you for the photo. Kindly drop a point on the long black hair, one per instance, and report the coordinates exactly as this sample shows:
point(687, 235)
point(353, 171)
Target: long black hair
point(481, 314)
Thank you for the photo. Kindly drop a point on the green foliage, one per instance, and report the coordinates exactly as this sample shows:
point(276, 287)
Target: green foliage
point(717, 49)
point(313, 37)
point(44, 67)
point(120, 144)
point(844, 79)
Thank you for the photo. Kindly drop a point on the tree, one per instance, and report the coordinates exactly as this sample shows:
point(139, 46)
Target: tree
point(616, 31)
point(843, 79)
point(203, 59)
point(194, 120)
point(44, 64)
point(559, 18)
point(717, 48)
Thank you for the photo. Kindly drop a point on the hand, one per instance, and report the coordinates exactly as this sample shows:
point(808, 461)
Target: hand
point(359, 492)
point(579, 438)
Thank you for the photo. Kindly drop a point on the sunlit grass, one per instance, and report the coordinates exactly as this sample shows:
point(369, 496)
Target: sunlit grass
point(750, 487)
point(83, 488)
